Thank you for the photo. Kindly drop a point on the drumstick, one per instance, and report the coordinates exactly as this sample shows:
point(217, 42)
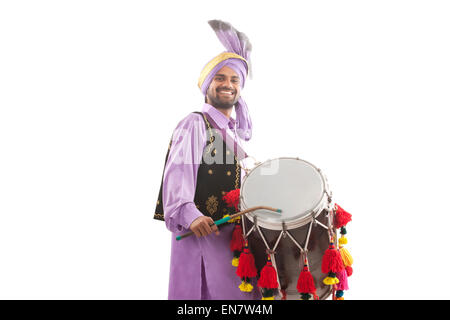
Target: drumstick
point(223, 220)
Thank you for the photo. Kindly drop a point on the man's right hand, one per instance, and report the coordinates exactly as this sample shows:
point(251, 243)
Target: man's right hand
point(202, 226)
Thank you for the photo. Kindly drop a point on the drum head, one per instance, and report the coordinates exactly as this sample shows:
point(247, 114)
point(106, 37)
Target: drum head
point(293, 185)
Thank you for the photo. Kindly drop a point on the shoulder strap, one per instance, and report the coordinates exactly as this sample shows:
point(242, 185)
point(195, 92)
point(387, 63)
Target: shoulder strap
point(208, 128)
point(203, 116)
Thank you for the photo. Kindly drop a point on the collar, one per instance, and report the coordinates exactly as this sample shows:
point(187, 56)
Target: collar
point(219, 118)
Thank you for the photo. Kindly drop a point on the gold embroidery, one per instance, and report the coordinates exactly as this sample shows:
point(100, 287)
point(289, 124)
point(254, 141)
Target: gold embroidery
point(212, 204)
point(159, 215)
point(228, 173)
point(210, 171)
point(238, 166)
point(211, 137)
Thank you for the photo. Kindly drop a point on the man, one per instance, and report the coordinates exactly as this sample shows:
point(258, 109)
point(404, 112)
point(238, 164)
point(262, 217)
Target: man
point(202, 164)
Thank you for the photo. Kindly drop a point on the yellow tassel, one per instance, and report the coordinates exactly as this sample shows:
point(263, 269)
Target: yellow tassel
point(342, 240)
point(235, 262)
point(232, 220)
point(235, 219)
point(268, 298)
point(341, 298)
point(246, 287)
point(346, 257)
point(329, 281)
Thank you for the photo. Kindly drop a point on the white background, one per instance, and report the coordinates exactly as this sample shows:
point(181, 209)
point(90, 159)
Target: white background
point(90, 92)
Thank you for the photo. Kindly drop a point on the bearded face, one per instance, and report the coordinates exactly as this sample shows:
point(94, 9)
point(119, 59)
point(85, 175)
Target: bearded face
point(224, 90)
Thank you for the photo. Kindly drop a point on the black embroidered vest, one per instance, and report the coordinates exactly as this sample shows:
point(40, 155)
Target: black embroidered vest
point(218, 173)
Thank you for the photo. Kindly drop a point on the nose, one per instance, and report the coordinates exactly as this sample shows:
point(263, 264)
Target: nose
point(228, 83)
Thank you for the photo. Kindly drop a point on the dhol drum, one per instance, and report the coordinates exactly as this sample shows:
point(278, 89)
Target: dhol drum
point(303, 229)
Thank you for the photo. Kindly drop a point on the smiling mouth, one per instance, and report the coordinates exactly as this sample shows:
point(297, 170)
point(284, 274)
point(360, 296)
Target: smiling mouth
point(226, 92)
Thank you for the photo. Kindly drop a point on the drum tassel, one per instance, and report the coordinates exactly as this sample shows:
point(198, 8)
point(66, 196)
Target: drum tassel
point(246, 269)
point(305, 284)
point(331, 264)
point(268, 280)
point(237, 243)
point(342, 217)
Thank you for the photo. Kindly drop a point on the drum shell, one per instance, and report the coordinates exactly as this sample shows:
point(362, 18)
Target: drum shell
point(289, 259)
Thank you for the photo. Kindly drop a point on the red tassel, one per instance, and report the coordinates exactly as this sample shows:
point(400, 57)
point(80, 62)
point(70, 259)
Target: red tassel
point(237, 239)
point(349, 270)
point(231, 198)
point(305, 283)
point(342, 217)
point(332, 261)
point(268, 278)
point(246, 267)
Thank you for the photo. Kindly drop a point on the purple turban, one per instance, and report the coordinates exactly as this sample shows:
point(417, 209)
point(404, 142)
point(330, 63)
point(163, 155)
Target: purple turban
point(237, 57)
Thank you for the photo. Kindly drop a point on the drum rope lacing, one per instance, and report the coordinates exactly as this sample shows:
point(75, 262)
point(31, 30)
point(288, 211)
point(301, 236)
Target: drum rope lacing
point(284, 233)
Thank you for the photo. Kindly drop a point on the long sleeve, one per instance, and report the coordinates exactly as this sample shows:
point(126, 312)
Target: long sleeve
point(244, 122)
point(180, 175)
point(199, 267)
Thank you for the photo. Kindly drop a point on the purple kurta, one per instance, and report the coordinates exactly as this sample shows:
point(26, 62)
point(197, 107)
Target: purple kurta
point(200, 268)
